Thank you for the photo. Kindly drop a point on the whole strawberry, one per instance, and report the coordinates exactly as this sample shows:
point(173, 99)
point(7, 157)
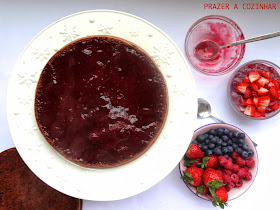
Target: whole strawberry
point(194, 152)
point(209, 162)
point(220, 197)
point(212, 179)
point(193, 176)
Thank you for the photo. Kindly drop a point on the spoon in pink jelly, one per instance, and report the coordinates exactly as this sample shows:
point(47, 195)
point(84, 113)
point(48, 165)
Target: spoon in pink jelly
point(207, 50)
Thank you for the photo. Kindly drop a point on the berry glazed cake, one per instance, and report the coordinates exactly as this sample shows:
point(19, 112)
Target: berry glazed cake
point(101, 101)
point(20, 188)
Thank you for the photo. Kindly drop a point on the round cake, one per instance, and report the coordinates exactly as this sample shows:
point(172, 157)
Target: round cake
point(101, 101)
point(21, 189)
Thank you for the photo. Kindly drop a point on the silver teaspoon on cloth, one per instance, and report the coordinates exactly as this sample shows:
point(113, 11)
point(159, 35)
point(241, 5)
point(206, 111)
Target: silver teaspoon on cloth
point(204, 111)
point(207, 50)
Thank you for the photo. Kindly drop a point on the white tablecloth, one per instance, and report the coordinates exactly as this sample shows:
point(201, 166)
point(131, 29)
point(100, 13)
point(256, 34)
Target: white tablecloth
point(20, 21)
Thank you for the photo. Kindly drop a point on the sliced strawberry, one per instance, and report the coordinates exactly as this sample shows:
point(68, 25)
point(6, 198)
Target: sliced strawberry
point(257, 114)
point(254, 87)
point(262, 81)
point(261, 109)
point(249, 101)
point(270, 84)
point(241, 87)
point(262, 91)
point(246, 80)
point(266, 74)
point(264, 101)
point(273, 92)
point(254, 76)
point(275, 106)
point(241, 100)
point(276, 84)
point(250, 110)
point(247, 93)
point(256, 101)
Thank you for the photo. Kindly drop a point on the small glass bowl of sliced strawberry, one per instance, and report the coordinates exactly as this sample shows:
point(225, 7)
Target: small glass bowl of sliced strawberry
point(254, 90)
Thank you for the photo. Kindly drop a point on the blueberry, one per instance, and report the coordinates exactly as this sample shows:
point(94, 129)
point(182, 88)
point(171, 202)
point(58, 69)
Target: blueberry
point(210, 136)
point(241, 135)
point(211, 146)
point(224, 144)
point(224, 138)
point(217, 151)
point(225, 150)
point(229, 142)
point(245, 147)
point(220, 131)
point(207, 141)
point(238, 150)
point(199, 145)
point(226, 131)
point(219, 147)
point(212, 131)
point(204, 148)
point(230, 134)
point(240, 141)
point(244, 154)
point(230, 149)
point(234, 145)
point(250, 152)
point(236, 134)
point(195, 142)
point(208, 152)
point(219, 142)
point(235, 140)
point(214, 140)
point(200, 137)
point(226, 156)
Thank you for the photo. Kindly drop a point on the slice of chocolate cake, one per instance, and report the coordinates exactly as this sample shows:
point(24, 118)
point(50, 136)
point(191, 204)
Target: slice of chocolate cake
point(101, 101)
point(21, 189)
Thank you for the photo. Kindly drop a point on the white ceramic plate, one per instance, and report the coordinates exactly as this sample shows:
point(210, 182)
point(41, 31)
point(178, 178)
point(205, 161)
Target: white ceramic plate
point(102, 184)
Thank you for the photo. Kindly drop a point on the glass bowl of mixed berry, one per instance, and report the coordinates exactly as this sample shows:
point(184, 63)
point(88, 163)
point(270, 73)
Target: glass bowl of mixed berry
point(220, 163)
point(254, 90)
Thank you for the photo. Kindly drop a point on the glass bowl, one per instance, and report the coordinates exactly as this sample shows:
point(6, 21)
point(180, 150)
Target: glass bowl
point(221, 30)
point(236, 191)
point(265, 102)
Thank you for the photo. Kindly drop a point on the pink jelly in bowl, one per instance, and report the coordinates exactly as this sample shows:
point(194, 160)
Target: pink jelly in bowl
point(222, 31)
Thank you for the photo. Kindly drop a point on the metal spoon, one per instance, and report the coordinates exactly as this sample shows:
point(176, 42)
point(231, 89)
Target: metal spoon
point(207, 50)
point(204, 111)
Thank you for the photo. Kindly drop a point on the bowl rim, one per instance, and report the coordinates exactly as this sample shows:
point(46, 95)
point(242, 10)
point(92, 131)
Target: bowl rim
point(266, 62)
point(255, 150)
point(235, 26)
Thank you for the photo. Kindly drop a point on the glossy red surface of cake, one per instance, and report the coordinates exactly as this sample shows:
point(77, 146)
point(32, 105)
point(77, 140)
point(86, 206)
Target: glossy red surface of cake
point(101, 101)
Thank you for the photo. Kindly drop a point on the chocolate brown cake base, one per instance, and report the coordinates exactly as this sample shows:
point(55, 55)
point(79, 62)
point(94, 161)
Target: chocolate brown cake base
point(101, 101)
point(21, 189)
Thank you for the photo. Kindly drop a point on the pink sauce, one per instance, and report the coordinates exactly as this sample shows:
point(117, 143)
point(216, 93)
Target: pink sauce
point(221, 32)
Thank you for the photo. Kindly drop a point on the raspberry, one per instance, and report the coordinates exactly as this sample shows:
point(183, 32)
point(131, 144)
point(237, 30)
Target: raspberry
point(248, 176)
point(234, 155)
point(234, 178)
point(235, 168)
point(220, 172)
point(240, 161)
point(228, 165)
point(242, 173)
point(250, 162)
point(227, 171)
point(229, 186)
point(239, 183)
point(246, 168)
point(230, 159)
point(226, 178)
point(222, 160)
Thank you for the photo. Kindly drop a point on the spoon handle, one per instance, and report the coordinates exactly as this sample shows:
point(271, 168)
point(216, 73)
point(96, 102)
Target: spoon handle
point(218, 119)
point(254, 39)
